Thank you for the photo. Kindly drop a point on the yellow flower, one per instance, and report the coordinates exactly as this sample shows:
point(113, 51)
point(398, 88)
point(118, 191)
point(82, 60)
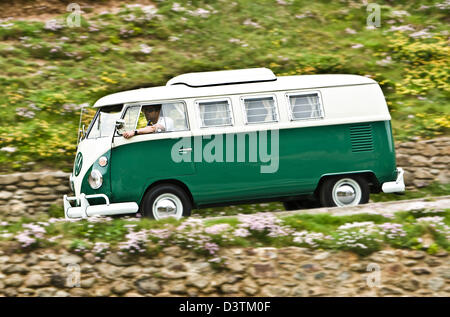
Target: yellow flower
point(108, 80)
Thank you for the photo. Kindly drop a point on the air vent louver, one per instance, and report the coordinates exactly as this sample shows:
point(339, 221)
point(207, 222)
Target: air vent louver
point(361, 138)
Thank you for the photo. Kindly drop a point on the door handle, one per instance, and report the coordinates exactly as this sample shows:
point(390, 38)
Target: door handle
point(183, 150)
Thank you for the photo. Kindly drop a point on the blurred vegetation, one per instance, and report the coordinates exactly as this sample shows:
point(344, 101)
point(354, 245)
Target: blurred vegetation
point(48, 70)
point(405, 230)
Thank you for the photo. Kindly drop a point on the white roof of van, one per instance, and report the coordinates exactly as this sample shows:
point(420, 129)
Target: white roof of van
point(223, 77)
point(209, 84)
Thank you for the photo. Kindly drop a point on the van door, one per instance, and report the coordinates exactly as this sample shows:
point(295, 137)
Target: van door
point(232, 165)
point(138, 162)
point(242, 173)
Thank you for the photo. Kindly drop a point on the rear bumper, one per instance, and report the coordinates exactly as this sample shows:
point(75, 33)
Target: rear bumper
point(83, 209)
point(397, 186)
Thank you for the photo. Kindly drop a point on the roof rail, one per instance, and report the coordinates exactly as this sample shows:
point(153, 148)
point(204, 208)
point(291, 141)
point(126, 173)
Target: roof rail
point(223, 77)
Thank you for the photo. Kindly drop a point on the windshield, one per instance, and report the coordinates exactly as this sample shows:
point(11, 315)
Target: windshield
point(104, 122)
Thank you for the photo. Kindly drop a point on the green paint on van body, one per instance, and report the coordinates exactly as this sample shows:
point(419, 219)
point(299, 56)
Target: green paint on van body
point(305, 155)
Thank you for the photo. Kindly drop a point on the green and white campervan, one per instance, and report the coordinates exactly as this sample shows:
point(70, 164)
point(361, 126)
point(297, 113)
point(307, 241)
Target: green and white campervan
point(236, 136)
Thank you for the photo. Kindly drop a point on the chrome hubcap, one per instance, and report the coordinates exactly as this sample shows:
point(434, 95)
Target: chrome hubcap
point(167, 205)
point(346, 192)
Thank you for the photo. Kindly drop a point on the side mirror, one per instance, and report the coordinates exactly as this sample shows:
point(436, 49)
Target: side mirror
point(120, 123)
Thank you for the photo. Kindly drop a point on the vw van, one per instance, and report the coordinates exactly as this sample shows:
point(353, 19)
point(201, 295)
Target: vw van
point(235, 136)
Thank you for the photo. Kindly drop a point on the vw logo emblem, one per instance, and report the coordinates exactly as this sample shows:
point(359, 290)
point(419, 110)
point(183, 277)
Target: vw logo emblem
point(78, 163)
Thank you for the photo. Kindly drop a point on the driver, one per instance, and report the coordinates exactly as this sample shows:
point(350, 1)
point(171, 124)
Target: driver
point(155, 122)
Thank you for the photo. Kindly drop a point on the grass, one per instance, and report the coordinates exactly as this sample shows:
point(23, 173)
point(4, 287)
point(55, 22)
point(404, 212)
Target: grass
point(47, 74)
point(326, 223)
point(362, 234)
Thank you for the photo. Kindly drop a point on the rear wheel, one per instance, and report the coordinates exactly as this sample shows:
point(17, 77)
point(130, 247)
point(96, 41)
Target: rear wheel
point(344, 191)
point(165, 201)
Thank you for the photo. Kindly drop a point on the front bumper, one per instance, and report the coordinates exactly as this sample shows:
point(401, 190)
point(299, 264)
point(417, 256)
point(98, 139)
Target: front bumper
point(397, 186)
point(83, 209)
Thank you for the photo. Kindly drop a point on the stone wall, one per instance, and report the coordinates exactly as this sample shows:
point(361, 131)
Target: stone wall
point(269, 272)
point(425, 161)
point(31, 193)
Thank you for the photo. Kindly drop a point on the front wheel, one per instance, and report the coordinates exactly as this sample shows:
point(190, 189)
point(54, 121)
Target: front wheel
point(344, 191)
point(166, 201)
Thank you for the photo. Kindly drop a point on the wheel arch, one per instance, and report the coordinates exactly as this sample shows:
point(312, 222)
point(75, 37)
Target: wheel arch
point(175, 182)
point(370, 176)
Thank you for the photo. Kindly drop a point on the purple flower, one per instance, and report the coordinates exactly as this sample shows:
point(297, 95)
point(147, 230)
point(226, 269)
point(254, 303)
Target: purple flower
point(241, 232)
point(401, 28)
point(93, 28)
point(25, 113)
point(53, 25)
point(161, 234)
point(312, 239)
point(100, 248)
point(392, 230)
point(177, 7)
point(249, 22)
point(146, 49)
point(200, 12)
point(217, 229)
point(95, 219)
point(264, 222)
point(211, 247)
point(31, 235)
point(135, 243)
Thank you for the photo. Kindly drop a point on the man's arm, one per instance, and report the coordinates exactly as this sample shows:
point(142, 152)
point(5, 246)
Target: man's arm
point(129, 134)
point(146, 130)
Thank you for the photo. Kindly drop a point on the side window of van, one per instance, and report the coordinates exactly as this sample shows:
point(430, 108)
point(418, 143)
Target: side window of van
point(171, 115)
point(104, 123)
point(215, 113)
point(260, 109)
point(305, 106)
point(131, 117)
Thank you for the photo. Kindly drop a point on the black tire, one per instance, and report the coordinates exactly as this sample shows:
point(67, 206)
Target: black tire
point(153, 194)
point(358, 183)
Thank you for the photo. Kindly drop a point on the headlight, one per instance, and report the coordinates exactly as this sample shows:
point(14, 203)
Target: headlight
point(95, 179)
